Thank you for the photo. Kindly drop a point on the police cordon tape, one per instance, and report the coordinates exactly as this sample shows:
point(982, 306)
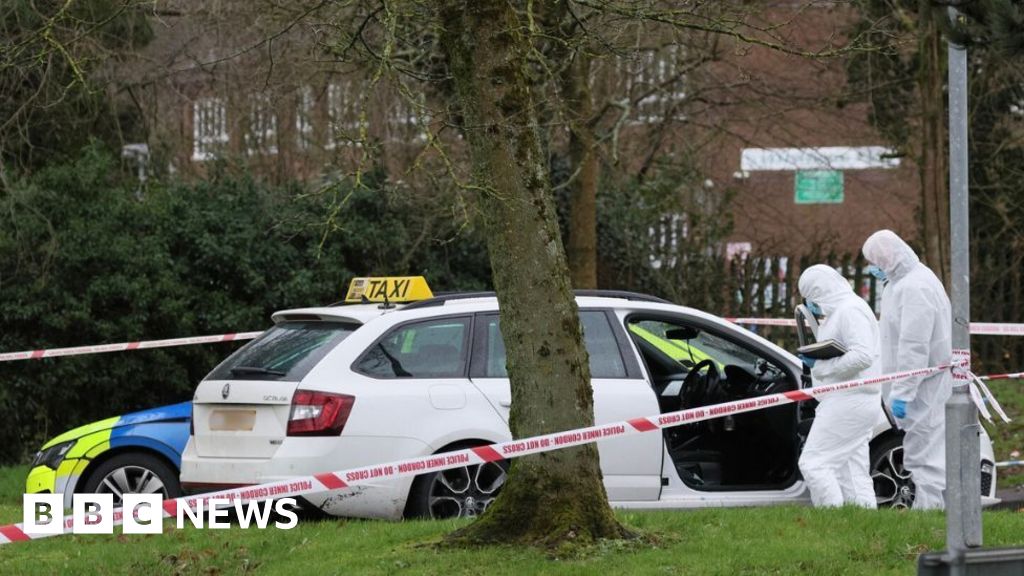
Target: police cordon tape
point(1013, 376)
point(338, 480)
point(1009, 463)
point(977, 328)
point(980, 393)
point(124, 346)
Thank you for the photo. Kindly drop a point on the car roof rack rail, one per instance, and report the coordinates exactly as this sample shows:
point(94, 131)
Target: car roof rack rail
point(442, 297)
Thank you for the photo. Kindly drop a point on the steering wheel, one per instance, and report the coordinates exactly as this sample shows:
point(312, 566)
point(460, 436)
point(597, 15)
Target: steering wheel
point(695, 388)
point(764, 387)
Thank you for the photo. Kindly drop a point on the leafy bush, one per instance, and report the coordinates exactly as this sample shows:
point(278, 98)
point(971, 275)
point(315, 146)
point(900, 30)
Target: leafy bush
point(82, 261)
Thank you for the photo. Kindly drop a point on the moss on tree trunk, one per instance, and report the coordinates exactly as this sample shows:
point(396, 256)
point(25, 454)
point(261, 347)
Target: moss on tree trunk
point(557, 498)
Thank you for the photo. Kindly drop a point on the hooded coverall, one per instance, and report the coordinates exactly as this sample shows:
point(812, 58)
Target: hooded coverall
point(834, 461)
point(916, 332)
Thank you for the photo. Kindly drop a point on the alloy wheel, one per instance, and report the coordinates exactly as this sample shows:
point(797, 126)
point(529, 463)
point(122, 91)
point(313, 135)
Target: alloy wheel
point(131, 480)
point(465, 492)
point(893, 486)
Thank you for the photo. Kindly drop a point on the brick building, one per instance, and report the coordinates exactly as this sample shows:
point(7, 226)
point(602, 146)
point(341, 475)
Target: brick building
point(810, 172)
point(807, 173)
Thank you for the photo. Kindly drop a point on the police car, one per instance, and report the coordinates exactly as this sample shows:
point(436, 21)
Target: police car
point(135, 453)
point(397, 373)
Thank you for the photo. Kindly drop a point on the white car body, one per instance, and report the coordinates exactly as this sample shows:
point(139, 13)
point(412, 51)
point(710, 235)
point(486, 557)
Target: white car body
point(408, 417)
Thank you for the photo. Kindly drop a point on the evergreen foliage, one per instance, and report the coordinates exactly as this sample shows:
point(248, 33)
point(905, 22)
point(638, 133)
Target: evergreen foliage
point(82, 261)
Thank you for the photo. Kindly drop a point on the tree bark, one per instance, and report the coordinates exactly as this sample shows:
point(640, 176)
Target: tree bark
point(557, 498)
point(933, 165)
point(579, 108)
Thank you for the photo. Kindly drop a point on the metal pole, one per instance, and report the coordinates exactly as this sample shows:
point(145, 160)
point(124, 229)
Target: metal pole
point(963, 480)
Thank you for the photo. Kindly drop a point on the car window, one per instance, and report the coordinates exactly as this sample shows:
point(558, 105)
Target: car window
point(605, 356)
point(689, 352)
point(429, 349)
point(286, 352)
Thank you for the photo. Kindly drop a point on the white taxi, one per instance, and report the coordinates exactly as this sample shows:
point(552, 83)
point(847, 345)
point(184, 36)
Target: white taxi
point(403, 374)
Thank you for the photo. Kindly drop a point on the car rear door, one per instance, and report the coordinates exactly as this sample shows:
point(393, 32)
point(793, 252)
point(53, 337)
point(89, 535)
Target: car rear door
point(631, 465)
point(413, 382)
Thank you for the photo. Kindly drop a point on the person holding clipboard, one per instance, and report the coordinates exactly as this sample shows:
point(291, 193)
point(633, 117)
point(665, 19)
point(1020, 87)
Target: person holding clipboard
point(834, 461)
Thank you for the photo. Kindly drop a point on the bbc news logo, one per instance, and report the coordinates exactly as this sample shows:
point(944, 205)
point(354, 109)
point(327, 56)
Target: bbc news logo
point(143, 514)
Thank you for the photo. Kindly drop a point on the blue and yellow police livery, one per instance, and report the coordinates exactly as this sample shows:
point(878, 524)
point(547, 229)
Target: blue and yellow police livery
point(135, 453)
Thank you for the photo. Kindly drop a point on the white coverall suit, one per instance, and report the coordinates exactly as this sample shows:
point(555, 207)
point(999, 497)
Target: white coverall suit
point(834, 461)
point(916, 332)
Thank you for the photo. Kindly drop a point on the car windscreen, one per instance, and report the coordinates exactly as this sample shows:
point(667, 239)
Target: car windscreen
point(286, 352)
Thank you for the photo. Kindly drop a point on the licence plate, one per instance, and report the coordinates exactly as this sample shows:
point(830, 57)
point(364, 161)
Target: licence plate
point(232, 420)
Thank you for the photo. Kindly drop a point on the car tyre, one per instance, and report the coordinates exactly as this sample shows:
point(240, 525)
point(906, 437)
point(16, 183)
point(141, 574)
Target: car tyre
point(892, 483)
point(133, 473)
point(464, 492)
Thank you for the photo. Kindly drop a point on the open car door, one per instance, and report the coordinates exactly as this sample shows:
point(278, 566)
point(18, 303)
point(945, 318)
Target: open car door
point(806, 325)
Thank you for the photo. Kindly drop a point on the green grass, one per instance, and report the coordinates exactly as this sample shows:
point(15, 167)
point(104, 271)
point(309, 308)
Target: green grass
point(12, 486)
point(784, 540)
point(1009, 437)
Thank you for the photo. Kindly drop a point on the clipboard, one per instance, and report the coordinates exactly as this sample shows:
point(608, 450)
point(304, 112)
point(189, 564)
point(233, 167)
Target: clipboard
point(822, 350)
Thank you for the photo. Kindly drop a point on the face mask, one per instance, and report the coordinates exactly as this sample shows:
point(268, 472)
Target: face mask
point(877, 272)
point(814, 308)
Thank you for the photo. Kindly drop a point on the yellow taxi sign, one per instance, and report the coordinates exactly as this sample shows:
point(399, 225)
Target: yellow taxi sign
point(392, 289)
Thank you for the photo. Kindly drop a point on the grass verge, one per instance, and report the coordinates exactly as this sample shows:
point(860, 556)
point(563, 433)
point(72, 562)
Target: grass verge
point(783, 540)
point(1009, 437)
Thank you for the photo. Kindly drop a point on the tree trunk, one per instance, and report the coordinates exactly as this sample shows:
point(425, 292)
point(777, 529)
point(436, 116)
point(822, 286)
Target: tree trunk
point(557, 498)
point(583, 190)
point(933, 163)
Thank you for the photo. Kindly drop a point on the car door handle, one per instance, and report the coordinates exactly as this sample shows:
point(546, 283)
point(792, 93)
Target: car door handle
point(505, 403)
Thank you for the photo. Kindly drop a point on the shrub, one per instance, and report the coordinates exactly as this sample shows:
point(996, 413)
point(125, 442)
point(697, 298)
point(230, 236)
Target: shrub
point(83, 261)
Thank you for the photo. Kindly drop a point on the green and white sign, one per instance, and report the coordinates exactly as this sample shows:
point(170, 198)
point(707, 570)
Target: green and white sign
point(818, 187)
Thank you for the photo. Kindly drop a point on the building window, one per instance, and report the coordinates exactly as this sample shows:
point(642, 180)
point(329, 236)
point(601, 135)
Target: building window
point(304, 119)
point(665, 237)
point(408, 119)
point(342, 115)
point(655, 82)
point(740, 250)
point(209, 128)
point(261, 137)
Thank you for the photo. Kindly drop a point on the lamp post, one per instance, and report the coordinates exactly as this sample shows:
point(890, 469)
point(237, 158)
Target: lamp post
point(963, 479)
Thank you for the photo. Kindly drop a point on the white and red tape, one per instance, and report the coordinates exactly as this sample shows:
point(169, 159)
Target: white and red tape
point(1011, 376)
point(123, 346)
point(338, 480)
point(977, 328)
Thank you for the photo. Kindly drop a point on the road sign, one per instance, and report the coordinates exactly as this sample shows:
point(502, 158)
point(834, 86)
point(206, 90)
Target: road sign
point(818, 187)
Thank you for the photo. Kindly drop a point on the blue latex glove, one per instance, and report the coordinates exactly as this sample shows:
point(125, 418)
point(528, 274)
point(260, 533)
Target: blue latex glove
point(899, 408)
point(808, 360)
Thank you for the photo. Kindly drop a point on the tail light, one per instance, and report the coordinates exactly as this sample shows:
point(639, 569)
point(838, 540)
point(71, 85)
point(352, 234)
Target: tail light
point(319, 413)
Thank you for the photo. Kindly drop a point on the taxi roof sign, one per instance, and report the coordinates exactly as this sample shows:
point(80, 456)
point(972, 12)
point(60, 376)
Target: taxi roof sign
point(388, 289)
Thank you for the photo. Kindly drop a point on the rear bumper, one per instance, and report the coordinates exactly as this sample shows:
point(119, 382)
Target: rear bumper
point(308, 456)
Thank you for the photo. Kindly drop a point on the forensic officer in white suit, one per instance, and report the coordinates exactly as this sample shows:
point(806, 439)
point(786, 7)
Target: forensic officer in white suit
point(916, 332)
point(834, 461)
